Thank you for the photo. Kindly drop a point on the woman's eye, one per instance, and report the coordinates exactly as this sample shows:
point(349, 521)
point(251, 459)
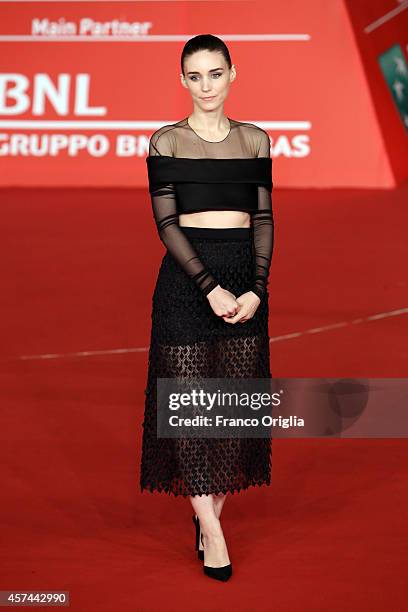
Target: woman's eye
point(216, 74)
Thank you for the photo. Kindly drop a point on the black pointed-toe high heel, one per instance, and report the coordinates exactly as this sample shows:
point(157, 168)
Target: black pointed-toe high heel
point(200, 553)
point(223, 573)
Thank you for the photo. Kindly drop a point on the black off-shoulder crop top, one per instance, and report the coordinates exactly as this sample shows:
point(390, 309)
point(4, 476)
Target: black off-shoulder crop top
point(190, 174)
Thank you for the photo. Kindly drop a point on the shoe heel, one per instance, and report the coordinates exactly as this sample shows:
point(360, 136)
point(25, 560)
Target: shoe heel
point(197, 534)
point(200, 553)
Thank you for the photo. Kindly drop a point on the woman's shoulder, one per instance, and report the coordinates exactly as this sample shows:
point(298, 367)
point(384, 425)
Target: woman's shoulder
point(247, 126)
point(257, 138)
point(163, 140)
point(254, 131)
point(166, 131)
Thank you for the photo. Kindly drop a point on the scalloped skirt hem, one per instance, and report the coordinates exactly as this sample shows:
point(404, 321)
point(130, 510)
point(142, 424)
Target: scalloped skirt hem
point(171, 492)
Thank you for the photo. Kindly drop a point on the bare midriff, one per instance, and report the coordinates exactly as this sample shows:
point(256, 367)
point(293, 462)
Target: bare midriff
point(216, 219)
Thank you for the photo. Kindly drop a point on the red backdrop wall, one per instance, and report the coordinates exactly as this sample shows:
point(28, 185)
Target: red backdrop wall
point(84, 84)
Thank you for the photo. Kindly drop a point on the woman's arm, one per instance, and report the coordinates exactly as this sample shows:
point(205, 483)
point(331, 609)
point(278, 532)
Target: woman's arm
point(165, 213)
point(263, 227)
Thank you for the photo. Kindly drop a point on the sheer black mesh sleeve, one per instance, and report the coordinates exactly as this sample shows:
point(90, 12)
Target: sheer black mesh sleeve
point(263, 228)
point(167, 221)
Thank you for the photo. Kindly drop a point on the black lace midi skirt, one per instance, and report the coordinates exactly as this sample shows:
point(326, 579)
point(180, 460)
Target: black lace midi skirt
point(189, 339)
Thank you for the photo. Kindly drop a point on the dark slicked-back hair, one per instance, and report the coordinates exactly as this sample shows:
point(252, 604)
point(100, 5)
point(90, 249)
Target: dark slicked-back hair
point(205, 42)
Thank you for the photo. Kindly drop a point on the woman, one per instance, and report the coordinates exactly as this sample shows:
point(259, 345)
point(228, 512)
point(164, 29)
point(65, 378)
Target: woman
point(209, 177)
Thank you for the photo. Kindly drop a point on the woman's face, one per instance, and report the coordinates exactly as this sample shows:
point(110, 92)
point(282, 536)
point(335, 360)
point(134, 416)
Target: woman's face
point(207, 76)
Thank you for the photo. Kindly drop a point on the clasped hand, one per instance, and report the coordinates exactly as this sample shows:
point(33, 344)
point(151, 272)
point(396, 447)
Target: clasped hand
point(231, 308)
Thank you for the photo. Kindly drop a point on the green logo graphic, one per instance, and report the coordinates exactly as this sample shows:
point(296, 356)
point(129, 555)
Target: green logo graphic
point(395, 70)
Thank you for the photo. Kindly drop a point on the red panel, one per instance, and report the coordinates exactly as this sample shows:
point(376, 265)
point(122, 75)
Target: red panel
point(312, 74)
point(379, 26)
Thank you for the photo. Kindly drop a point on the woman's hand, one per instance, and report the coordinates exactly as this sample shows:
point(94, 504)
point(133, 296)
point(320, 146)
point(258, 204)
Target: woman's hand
point(248, 305)
point(223, 302)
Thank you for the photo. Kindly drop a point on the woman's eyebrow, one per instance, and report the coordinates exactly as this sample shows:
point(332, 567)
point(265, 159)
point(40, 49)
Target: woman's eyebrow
point(212, 70)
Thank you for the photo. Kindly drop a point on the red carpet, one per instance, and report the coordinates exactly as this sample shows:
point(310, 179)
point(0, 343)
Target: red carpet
point(78, 269)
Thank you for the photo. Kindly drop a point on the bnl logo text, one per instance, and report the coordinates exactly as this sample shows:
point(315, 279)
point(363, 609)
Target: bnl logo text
point(70, 94)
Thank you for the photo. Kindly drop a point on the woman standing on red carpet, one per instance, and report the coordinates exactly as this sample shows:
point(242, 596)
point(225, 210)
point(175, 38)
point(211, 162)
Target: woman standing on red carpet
point(210, 180)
